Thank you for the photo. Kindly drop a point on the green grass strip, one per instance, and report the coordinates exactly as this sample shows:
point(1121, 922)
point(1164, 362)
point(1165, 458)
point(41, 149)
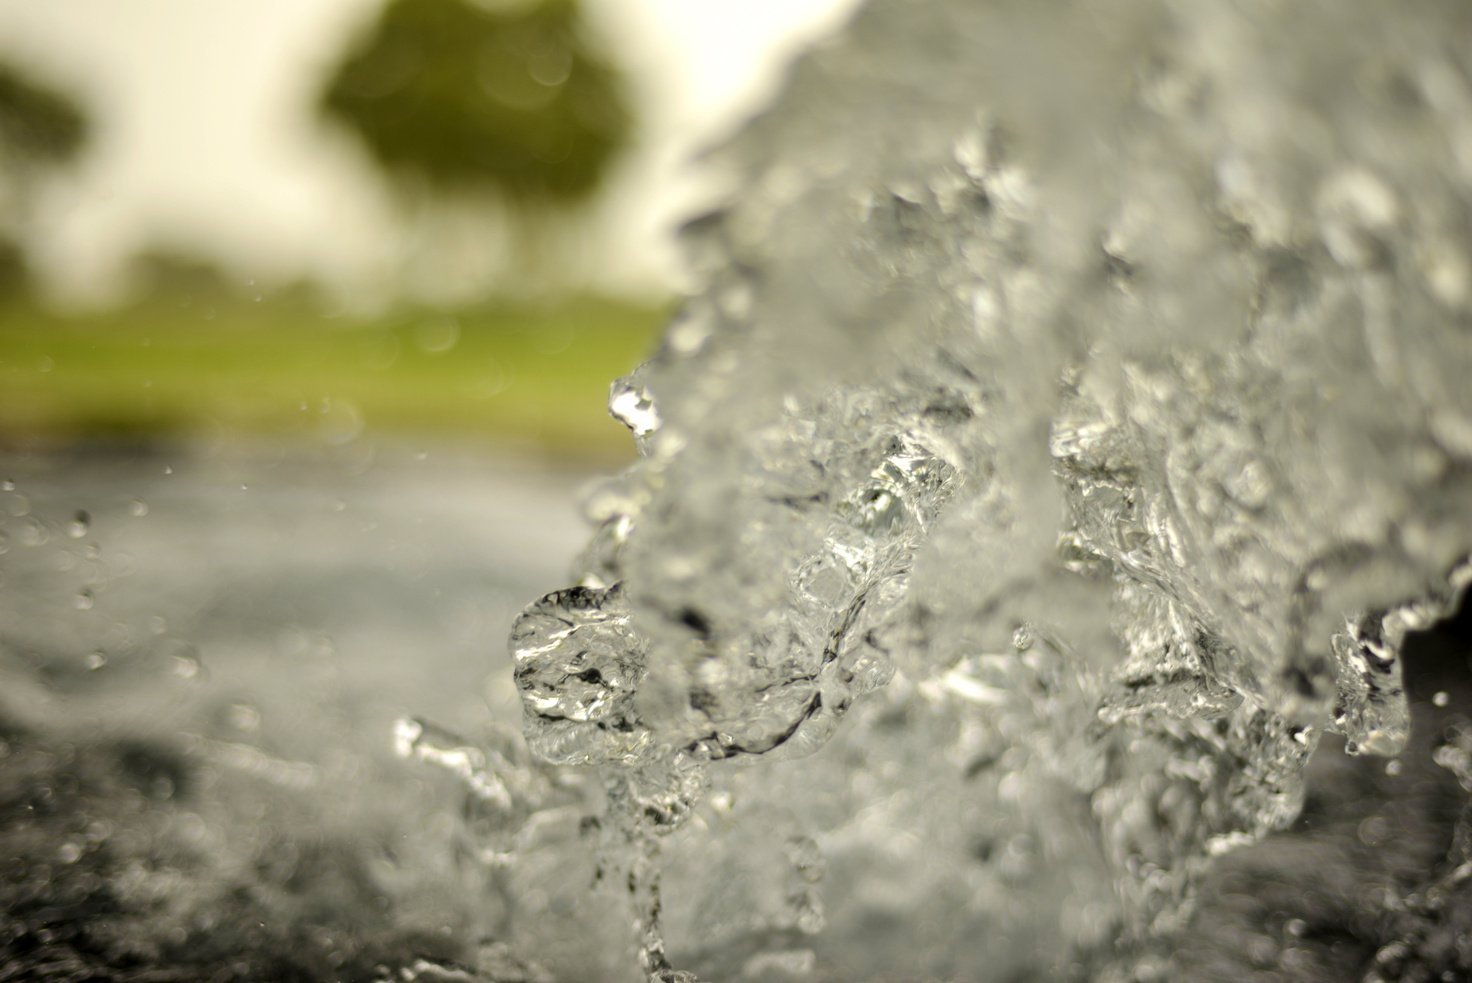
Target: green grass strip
point(528, 375)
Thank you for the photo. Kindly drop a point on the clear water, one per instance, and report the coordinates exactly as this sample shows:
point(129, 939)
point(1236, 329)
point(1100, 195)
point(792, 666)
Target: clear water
point(1056, 486)
point(1069, 430)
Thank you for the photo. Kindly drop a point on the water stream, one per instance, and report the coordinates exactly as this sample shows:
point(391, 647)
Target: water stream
point(1069, 431)
point(1056, 488)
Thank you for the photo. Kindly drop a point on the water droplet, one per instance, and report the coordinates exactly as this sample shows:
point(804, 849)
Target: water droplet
point(632, 405)
point(84, 600)
point(735, 301)
point(186, 666)
point(810, 919)
point(1441, 698)
point(244, 717)
point(32, 532)
point(1356, 208)
point(168, 469)
point(688, 333)
point(806, 858)
point(70, 852)
point(96, 660)
point(138, 508)
point(79, 525)
point(7, 485)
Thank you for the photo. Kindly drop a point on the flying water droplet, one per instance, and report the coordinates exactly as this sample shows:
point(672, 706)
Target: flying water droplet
point(32, 532)
point(244, 717)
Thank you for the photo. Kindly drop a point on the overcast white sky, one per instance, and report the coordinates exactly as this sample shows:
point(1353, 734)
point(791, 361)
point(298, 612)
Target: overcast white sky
point(207, 137)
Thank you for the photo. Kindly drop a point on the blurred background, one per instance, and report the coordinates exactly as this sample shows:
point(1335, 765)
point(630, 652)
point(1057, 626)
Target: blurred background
point(308, 314)
point(320, 219)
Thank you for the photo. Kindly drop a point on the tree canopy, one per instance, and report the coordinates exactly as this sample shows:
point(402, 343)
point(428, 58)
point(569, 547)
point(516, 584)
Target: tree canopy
point(40, 129)
point(38, 124)
point(465, 95)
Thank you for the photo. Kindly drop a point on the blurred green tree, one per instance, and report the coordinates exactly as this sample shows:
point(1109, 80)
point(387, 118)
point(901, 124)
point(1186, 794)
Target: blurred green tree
point(464, 98)
point(41, 129)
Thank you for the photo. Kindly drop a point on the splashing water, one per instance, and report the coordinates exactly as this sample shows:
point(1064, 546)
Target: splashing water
point(1070, 427)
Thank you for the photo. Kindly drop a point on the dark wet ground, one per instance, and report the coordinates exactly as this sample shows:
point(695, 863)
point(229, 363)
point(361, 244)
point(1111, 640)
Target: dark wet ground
point(202, 654)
